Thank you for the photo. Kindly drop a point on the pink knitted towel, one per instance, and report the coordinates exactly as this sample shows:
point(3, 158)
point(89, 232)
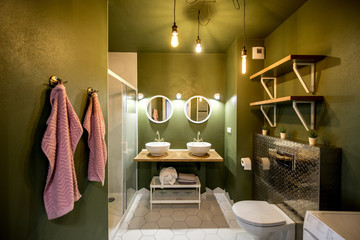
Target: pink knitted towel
point(59, 143)
point(95, 126)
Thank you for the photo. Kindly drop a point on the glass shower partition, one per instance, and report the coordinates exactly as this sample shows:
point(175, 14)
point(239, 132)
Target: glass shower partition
point(122, 148)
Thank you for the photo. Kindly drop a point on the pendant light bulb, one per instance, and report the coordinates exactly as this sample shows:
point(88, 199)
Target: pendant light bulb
point(198, 45)
point(243, 61)
point(174, 38)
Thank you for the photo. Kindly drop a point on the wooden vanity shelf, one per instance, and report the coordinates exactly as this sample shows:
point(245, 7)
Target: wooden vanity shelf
point(178, 155)
point(290, 99)
point(287, 65)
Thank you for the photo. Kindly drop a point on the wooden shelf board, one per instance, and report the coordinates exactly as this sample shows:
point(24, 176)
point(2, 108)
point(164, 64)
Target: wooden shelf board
point(287, 99)
point(178, 155)
point(284, 65)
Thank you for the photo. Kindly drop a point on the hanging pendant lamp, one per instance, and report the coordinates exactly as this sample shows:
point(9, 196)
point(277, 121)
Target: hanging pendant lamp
point(198, 40)
point(243, 52)
point(174, 37)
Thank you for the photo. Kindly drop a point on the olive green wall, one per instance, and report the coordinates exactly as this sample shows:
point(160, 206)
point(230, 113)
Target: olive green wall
point(243, 120)
point(189, 74)
point(328, 28)
point(39, 39)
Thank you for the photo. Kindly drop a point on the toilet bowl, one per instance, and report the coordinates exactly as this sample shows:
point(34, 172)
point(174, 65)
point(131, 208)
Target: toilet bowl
point(264, 220)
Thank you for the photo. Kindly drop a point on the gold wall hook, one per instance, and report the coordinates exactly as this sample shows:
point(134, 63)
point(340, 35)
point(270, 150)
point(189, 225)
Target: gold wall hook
point(54, 81)
point(90, 91)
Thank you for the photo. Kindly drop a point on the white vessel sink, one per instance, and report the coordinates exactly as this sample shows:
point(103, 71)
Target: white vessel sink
point(198, 148)
point(157, 148)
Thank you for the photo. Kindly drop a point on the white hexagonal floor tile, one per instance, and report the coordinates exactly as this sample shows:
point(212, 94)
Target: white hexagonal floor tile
point(180, 237)
point(165, 222)
point(147, 238)
point(193, 221)
point(244, 236)
point(163, 234)
point(195, 234)
point(152, 216)
point(137, 222)
point(179, 228)
point(226, 234)
point(132, 235)
point(212, 237)
point(179, 216)
point(166, 211)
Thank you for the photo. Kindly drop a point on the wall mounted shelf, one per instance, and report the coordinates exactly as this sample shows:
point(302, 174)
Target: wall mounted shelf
point(287, 65)
point(283, 66)
point(295, 100)
point(287, 99)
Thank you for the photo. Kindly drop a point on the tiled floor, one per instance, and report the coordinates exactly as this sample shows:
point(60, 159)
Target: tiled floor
point(214, 220)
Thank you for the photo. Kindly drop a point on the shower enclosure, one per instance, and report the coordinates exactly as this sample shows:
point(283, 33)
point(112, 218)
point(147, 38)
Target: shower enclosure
point(122, 142)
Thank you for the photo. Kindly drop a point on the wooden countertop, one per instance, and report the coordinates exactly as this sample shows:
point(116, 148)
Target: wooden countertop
point(178, 155)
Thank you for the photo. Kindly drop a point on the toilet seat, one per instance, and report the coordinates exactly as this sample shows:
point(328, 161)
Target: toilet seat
point(258, 213)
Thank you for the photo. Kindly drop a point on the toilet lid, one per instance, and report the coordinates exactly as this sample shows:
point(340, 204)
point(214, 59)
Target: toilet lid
point(258, 213)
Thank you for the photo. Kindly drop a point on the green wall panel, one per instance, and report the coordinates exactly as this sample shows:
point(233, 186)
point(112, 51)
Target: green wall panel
point(243, 120)
point(331, 29)
point(39, 39)
point(189, 74)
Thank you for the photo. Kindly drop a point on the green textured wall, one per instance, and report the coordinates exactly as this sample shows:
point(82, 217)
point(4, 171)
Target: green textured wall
point(189, 74)
point(230, 119)
point(326, 28)
point(39, 39)
point(243, 120)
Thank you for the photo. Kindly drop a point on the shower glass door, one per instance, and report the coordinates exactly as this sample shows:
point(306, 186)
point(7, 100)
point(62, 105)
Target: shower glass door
point(130, 143)
point(122, 148)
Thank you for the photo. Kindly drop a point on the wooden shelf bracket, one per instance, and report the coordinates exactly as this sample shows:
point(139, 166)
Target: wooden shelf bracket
point(266, 87)
point(312, 117)
point(296, 70)
point(272, 124)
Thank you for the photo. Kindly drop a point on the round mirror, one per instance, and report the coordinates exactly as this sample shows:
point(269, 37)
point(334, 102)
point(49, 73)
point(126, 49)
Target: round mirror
point(159, 109)
point(197, 109)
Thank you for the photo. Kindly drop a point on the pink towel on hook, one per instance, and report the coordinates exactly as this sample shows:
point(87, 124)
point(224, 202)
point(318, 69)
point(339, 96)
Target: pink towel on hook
point(95, 126)
point(59, 143)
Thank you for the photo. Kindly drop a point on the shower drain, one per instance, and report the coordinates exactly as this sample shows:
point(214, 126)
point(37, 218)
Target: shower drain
point(111, 199)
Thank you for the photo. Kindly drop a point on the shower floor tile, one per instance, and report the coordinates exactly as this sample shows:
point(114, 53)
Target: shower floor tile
point(214, 220)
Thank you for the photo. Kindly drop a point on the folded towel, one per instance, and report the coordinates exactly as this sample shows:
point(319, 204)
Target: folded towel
point(187, 176)
point(167, 176)
point(182, 181)
point(95, 126)
point(59, 143)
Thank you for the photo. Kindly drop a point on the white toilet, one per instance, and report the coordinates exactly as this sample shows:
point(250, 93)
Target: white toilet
point(264, 220)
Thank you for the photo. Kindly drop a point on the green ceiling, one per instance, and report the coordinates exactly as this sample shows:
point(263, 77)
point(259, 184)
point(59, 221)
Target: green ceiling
point(145, 25)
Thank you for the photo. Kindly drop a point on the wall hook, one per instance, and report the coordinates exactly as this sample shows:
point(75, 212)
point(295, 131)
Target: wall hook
point(54, 81)
point(90, 91)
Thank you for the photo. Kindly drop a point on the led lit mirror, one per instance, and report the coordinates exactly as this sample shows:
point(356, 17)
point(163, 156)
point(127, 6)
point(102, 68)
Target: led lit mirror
point(197, 109)
point(159, 109)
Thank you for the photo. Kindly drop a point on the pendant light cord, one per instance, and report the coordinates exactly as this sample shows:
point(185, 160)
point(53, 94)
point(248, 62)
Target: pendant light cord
point(174, 10)
point(198, 22)
point(244, 26)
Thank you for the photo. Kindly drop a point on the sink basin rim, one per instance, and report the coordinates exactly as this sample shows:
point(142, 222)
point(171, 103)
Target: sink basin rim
point(157, 148)
point(198, 148)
